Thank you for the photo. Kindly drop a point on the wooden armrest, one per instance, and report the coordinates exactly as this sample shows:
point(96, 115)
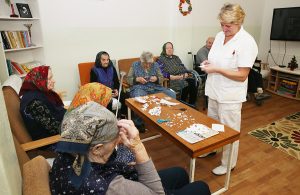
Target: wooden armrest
point(165, 82)
point(40, 143)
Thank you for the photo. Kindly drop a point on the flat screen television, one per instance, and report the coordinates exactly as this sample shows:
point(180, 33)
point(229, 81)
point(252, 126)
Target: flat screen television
point(286, 24)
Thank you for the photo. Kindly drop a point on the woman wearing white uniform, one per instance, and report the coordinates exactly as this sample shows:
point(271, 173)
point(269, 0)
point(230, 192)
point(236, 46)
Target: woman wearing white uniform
point(229, 61)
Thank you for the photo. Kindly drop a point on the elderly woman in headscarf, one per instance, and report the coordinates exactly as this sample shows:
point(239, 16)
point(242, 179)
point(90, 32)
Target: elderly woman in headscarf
point(41, 107)
point(88, 163)
point(96, 92)
point(91, 92)
point(105, 73)
point(173, 69)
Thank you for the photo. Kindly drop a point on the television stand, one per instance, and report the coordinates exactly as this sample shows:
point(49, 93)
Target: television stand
point(284, 82)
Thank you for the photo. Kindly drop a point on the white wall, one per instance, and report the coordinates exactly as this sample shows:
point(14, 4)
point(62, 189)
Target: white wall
point(277, 47)
point(75, 30)
point(205, 22)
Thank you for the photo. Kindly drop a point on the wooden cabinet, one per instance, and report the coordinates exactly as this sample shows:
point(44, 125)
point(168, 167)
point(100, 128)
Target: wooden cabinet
point(34, 52)
point(284, 82)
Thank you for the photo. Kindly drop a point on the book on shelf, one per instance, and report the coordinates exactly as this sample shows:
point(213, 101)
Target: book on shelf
point(281, 88)
point(15, 35)
point(27, 38)
point(8, 40)
point(12, 40)
point(287, 87)
point(17, 67)
point(21, 68)
point(9, 67)
point(5, 40)
point(15, 39)
point(20, 39)
point(31, 65)
point(285, 93)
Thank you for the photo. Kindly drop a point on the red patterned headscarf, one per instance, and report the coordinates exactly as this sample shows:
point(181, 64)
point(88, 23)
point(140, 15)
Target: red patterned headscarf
point(37, 79)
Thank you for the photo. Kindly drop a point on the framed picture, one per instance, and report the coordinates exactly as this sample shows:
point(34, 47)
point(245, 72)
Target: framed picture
point(24, 10)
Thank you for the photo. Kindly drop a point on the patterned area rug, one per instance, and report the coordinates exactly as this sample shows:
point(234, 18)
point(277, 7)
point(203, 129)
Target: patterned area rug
point(283, 134)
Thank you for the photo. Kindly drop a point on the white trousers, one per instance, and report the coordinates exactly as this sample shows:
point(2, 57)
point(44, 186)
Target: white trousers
point(230, 115)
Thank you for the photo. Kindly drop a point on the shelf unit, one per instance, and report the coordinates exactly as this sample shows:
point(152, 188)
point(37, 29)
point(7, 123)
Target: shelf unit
point(20, 55)
point(284, 82)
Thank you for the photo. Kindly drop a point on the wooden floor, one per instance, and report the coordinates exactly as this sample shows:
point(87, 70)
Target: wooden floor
point(261, 169)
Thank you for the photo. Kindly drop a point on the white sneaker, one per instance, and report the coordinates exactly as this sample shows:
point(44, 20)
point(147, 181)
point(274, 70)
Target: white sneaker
point(207, 154)
point(203, 155)
point(259, 90)
point(115, 103)
point(220, 170)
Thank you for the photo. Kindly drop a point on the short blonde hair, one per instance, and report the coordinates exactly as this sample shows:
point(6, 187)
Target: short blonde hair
point(232, 14)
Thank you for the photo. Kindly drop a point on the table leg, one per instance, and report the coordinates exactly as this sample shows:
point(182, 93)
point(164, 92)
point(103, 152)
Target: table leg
point(145, 139)
point(227, 178)
point(229, 167)
point(151, 137)
point(129, 113)
point(192, 169)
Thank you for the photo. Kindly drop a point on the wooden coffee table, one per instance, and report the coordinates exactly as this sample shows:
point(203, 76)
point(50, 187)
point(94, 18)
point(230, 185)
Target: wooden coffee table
point(181, 117)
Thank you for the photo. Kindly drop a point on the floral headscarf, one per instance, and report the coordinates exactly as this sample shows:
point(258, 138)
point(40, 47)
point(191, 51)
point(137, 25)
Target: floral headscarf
point(37, 79)
point(90, 124)
point(91, 92)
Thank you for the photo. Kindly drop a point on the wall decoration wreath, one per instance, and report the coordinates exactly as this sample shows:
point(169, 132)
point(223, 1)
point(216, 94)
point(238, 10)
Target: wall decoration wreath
point(184, 13)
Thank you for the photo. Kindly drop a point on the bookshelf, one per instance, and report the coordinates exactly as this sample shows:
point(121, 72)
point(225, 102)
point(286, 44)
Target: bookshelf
point(27, 53)
point(284, 82)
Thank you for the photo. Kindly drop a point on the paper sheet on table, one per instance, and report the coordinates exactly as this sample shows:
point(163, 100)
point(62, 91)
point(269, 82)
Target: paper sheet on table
point(196, 132)
point(140, 100)
point(218, 127)
point(166, 102)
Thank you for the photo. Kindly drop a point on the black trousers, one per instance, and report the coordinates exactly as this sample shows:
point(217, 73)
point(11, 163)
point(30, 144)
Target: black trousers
point(176, 182)
point(255, 81)
point(190, 91)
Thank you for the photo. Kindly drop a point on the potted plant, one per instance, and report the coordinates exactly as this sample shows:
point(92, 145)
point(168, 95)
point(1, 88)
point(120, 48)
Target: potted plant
point(293, 64)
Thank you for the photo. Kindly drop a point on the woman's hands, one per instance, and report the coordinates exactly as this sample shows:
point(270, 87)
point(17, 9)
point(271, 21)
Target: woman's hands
point(179, 77)
point(143, 80)
point(131, 139)
point(153, 79)
point(128, 132)
point(240, 75)
point(115, 93)
point(207, 67)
